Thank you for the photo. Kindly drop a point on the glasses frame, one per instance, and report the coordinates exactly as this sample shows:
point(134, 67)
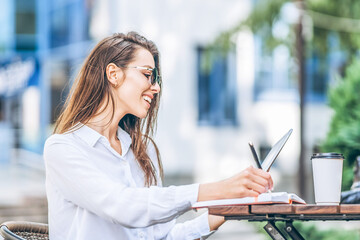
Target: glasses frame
point(154, 72)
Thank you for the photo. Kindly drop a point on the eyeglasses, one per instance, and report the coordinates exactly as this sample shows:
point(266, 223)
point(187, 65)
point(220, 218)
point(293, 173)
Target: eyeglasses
point(153, 78)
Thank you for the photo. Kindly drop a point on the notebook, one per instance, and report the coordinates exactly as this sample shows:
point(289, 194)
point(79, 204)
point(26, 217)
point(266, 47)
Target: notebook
point(264, 198)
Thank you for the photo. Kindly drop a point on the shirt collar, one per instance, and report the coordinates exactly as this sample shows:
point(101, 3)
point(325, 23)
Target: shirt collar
point(90, 136)
point(125, 140)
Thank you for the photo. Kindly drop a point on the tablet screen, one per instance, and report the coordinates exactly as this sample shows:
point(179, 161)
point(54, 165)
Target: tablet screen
point(274, 152)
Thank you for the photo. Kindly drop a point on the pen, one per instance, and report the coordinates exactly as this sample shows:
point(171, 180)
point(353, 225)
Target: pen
point(255, 156)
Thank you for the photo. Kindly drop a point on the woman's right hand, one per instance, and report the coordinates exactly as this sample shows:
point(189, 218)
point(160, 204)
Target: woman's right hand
point(249, 183)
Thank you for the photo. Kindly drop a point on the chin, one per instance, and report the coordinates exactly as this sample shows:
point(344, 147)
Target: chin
point(141, 115)
point(140, 112)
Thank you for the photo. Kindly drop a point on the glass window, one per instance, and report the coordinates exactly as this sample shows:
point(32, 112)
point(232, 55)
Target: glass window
point(216, 88)
point(7, 21)
point(319, 72)
point(59, 25)
point(316, 79)
point(273, 72)
point(25, 25)
point(69, 23)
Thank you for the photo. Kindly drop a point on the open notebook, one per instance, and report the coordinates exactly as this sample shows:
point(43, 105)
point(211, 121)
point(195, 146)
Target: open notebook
point(264, 198)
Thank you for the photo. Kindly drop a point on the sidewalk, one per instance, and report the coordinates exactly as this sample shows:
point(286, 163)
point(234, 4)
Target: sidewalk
point(23, 177)
point(23, 195)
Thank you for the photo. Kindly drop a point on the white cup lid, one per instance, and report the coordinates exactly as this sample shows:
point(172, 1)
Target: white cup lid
point(328, 155)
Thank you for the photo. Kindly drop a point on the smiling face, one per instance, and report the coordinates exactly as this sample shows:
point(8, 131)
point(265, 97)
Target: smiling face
point(135, 93)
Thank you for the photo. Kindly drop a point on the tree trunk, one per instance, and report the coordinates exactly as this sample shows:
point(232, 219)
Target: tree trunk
point(300, 52)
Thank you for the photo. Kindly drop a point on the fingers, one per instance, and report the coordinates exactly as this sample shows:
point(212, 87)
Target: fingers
point(256, 187)
point(257, 180)
point(271, 187)
point(251, 193)
point(249, 183)
point(264, 175)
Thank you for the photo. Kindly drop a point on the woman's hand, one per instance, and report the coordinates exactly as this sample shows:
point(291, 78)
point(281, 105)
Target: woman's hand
point(248, 183)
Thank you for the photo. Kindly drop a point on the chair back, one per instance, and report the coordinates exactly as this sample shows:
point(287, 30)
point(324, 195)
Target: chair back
point(21, 230)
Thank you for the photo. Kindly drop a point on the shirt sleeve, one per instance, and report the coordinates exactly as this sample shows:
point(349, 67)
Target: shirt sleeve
point(82, 183)
point(197, 228)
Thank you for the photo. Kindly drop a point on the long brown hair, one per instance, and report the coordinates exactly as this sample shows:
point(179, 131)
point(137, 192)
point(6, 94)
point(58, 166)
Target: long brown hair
point(91, 88)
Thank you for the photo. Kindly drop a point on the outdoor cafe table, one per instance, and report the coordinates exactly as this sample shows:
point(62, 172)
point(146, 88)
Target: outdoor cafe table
point(287, 213)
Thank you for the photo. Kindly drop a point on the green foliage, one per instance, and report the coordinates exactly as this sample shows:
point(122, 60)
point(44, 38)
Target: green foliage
point(344, 133)
point(309, 231)
point(266, 13)
point(349, 41)
point(261, 21)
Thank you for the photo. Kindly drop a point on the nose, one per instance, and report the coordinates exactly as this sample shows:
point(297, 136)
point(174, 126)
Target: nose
point(155, 88)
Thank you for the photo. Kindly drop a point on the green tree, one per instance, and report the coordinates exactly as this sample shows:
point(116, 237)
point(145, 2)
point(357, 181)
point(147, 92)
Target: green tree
point(344, 133)
point(321, 20)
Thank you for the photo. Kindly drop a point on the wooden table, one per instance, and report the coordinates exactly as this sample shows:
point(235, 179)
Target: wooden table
point(287, 213)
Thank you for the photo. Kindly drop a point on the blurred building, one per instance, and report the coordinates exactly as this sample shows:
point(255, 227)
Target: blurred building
point(210, 109)
point(41, 43)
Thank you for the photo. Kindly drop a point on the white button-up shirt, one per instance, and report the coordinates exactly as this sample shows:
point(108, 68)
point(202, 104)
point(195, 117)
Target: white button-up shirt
point(96, 193)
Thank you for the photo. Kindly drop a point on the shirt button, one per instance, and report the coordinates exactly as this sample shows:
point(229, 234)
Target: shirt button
point(141, 235)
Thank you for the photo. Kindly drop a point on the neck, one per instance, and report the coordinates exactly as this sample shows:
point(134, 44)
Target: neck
point(104, 123)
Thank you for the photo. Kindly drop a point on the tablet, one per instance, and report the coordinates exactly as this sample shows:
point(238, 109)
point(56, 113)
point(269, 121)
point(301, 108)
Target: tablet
point(274, 152)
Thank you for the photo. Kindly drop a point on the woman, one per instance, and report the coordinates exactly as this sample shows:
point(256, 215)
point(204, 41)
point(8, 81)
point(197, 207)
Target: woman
point(103, 171)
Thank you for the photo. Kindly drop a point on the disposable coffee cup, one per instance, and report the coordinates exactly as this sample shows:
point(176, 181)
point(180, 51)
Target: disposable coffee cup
point(327, 174)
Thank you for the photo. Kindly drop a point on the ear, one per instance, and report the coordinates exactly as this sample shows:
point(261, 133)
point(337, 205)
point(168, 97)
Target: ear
point(114, 74)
